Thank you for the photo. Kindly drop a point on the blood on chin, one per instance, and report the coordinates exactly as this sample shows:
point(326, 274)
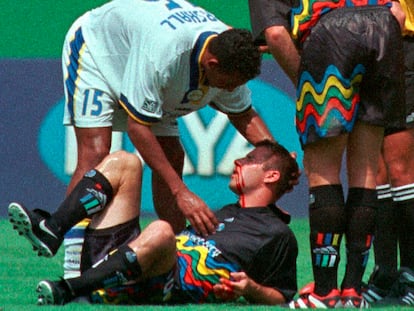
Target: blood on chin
point(240, 186)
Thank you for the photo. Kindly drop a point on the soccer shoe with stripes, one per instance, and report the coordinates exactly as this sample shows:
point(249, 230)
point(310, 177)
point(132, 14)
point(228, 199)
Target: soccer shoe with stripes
point(373, 294)
point(32, 225)
point(351, 299)
point(53, 293)
point(313, 301)
point(402, 291)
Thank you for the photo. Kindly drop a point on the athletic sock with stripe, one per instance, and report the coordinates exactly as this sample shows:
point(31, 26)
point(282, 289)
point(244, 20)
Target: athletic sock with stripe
point(115, 270)
point(90, 196)
point(327, 225)
point(403, 197)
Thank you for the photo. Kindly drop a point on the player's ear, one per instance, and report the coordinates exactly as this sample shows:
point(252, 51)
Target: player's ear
point(272, 176)
point(213, 63)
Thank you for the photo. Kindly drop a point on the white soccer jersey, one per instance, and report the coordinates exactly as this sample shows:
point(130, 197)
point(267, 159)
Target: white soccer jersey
point(147, 52)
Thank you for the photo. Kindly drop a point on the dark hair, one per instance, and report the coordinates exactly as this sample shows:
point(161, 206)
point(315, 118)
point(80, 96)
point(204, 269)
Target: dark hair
point(236, 52)
point(281, 160)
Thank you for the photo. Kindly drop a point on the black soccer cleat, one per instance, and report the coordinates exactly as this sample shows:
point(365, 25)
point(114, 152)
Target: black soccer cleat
point(32, 225)
point(402, 291)
point(371, 292)
point(53, 293)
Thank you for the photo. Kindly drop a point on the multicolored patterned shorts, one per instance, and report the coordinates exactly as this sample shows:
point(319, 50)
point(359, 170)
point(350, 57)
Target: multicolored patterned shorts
point(351, 69)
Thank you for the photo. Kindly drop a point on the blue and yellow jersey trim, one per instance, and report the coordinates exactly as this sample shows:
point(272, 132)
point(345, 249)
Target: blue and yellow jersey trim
point(197, 80)
point(77, 46)
point(197, 76)
point(134, 114)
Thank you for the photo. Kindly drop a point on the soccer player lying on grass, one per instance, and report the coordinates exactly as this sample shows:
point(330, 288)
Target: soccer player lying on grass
point(252, 254)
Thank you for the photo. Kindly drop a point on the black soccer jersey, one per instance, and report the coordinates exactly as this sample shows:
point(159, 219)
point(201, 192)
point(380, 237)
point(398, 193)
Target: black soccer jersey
point(261, 243)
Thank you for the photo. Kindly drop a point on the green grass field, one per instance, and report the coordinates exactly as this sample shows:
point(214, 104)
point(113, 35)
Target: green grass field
point(21, 270)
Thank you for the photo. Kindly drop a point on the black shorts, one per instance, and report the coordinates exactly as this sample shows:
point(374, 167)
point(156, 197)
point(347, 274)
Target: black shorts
point(409, 84)
point(351, 69)
point(409, 79)
point(99, 243)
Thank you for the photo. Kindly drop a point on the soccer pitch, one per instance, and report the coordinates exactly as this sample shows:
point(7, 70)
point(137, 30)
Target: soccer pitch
point(21, 270)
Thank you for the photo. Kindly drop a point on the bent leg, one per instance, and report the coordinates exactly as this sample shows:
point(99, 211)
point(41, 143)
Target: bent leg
point(124, 172)
point(151, 254)
point(155, 248)
point(110, 194)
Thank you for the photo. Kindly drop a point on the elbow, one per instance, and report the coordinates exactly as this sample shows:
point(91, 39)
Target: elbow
point(275, 35)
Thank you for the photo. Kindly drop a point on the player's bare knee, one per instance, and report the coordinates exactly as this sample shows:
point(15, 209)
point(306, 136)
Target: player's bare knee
point(124, 160)
point(131, 161)
point(164, 231)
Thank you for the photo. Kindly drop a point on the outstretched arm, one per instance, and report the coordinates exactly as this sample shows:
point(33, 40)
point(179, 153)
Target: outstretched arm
point(194, 209)
point(243, 286)
point(251, 126)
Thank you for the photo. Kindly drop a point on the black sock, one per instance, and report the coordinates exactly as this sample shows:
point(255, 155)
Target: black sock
point(386, 239)
point(91, 195)
point(117, 269)
point(404, 202)
point(327, 224)
point(360, 215)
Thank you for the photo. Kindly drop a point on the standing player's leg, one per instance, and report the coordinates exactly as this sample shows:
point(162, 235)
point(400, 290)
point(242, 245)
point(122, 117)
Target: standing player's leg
point(386, 238)
point(363, 152)
point(93, 144)
point(322, 163)
point(395, 214)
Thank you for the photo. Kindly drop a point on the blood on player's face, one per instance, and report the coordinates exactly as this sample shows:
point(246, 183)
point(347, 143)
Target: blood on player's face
point(248, 172)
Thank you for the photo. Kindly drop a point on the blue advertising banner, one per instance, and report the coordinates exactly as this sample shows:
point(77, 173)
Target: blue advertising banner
point(38, 154)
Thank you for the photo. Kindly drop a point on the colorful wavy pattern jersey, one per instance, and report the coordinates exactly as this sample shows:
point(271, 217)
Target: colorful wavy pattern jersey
point(200, 267)
point(308, 12)
point(331, 102)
